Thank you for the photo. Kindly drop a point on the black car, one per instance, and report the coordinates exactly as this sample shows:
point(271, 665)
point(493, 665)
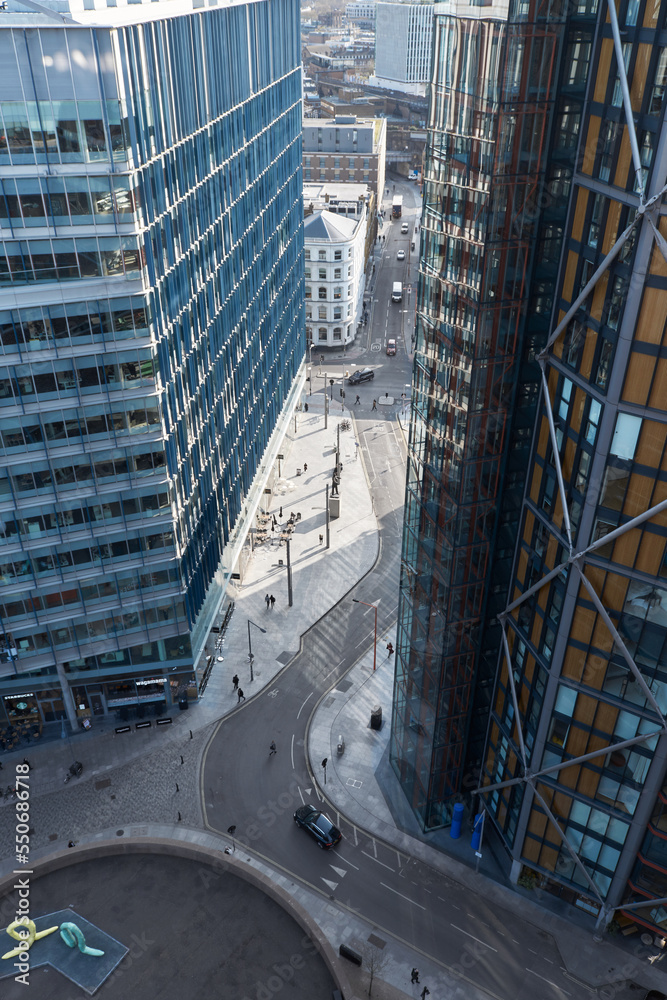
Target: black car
point(363, 375)
point(318, 826)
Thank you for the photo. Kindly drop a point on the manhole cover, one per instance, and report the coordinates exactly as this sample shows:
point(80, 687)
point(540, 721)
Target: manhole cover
point(103, 783)
point(119, 833)
point(344, 685)
point(376, 941)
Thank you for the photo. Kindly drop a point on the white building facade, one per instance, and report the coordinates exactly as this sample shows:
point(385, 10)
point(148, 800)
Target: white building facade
point(403, 40)
point(335, 279)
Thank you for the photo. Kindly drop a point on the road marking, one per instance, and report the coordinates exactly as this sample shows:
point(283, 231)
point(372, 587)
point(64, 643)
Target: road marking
point(406, 898)
point(379, 862)
point(332, 885)
point(555, 986)
point(348, 862)
point(478, 940)
point(304, 704)
point(338, 871)
point(291, 751)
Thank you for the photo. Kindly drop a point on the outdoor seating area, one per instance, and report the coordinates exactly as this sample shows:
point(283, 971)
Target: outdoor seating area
point(12, 737)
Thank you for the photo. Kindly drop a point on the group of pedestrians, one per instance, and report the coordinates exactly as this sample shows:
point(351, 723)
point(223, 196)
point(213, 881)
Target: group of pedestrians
point(270, 601)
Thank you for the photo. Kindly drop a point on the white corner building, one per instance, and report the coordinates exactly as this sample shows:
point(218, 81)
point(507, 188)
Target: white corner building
point(335, 280)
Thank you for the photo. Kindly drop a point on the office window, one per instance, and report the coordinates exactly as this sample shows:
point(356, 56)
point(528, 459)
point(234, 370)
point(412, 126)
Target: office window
point(336, 161)
point(322, 333)
point(321, 255)
point(337, 333)
point(323, 274)
point(338, 254)
point(306, 161)
point(322, 293)
point(338, 292)
point(659, 83)
point(323, 163)
point(309, 291)
point(307, 254)
point(596, 218)
point(350, 164)
point(321, 312)
point(307, 272)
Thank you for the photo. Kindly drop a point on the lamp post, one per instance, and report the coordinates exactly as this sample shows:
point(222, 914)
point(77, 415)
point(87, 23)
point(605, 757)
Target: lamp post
point(250, 654)
point(310, 381)
point(375, 635)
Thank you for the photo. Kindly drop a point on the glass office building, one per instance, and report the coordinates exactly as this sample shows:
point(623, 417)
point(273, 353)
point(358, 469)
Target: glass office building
point(533, 615)
point(151, 333)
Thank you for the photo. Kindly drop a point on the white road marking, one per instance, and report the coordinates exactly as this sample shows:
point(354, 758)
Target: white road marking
point(291, 751)
point(332, 885)
point(478, 940)
point(338, 871)
point(555, 986)
point(406, 898)
point(340, 856)
point(379, 862)
point(304, 704)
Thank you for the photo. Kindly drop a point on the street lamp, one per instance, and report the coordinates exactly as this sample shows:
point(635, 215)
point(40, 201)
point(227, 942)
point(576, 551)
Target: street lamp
point(250, 655)
point(375, 636)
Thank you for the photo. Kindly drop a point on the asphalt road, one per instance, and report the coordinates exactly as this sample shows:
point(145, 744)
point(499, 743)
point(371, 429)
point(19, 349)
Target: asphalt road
point(258, 794)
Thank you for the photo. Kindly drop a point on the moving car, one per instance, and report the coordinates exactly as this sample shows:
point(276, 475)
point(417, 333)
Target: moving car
point(318, 826)
point(362, 375)
point(400, 255)
point(405, 227)
point(397, 291)
point(391, 347)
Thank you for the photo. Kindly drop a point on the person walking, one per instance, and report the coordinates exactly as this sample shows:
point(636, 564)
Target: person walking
point(375, 405)
point(425, 993)
point(414, 976)
point(268, 601)
point(272, 748)
point(273, 601)
point(235, 681)
point(305, 466)
point(241, 696)
point(321, 539)
point(390, 649)
point(357, 400)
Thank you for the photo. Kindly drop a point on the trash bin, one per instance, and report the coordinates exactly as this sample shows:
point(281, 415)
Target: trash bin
point(376, 717)
point(183, 703)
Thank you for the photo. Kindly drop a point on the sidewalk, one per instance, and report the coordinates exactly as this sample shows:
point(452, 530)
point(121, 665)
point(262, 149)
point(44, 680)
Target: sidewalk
point(164, 789)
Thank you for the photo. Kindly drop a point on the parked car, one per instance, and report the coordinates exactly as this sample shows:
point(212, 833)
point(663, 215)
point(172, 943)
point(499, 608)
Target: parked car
point(318, 826)
point(391, 347)
point(400, 255)
point(362, 375)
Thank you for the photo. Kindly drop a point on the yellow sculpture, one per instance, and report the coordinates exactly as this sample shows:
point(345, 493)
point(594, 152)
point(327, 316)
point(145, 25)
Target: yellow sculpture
point(26, 940)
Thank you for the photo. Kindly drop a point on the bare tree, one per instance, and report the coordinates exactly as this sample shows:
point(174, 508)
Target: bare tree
point(374, 961)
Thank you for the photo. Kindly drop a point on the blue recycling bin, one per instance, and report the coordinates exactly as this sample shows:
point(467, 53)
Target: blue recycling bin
point(457, 820)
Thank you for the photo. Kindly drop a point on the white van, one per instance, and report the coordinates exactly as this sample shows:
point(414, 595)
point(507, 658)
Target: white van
point(397, 292)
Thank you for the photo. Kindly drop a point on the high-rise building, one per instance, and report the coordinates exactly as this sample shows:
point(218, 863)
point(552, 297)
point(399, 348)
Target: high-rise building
point(536, 514)
point(403, 40)
point(151, 333)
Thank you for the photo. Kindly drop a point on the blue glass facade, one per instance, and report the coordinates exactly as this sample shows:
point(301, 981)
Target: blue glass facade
point(151, 325)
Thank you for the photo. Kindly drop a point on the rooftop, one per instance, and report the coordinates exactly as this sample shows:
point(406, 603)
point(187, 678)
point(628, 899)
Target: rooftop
point(24, 13)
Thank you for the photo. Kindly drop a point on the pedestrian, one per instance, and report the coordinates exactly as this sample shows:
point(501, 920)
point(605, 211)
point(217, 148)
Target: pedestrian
point(280, 513)
point(305, 466)
point(425, 993)
point(321, 539)
point(272, 748)
point(390, 649)
point(27, 763)
point(415, 976)
point(273, 601)
point(386, 395)
point(334, 484)
point(71, 844)
point(241, 696)
point(375, 405)
point(235, 681)
point(268, 601)
point(357, 400)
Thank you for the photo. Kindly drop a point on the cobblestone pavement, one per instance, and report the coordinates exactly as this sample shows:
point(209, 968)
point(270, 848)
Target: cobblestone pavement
point(153, 789)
